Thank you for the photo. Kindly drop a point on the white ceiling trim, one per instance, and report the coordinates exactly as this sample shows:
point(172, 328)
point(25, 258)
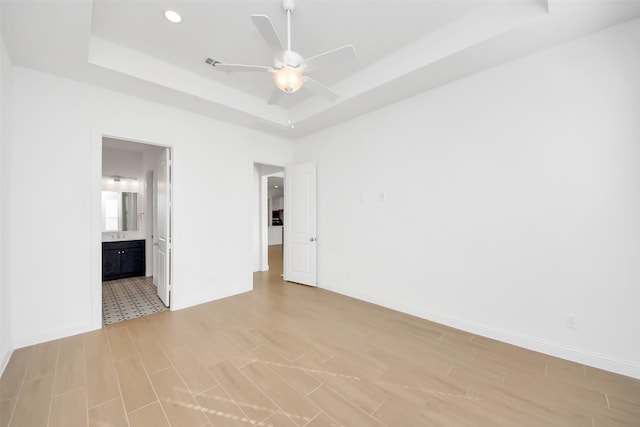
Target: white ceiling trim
point(106, 54)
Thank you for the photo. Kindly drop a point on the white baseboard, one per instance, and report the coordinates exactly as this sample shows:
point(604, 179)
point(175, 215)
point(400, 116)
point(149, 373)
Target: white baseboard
point(201, 299)
point(67, 332)
point(510, 337)
point(52, 335)
point(4, 361)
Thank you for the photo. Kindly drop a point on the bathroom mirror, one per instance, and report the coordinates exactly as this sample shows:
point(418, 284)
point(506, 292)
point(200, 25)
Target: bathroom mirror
point(119, 211)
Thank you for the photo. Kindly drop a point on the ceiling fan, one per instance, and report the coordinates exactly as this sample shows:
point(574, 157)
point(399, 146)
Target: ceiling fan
point(289, 67)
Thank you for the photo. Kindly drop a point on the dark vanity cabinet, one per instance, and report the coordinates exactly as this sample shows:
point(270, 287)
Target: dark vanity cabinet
point(122, 259)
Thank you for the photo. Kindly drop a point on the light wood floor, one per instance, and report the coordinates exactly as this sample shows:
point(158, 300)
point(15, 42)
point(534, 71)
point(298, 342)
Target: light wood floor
point(290, 355)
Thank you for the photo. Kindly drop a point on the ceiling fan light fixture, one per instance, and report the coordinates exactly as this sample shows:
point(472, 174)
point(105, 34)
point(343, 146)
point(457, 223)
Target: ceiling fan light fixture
point(288, 79)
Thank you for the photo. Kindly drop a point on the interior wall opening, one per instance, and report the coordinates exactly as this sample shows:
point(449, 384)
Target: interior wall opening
point(268, 218)
point(135, 194)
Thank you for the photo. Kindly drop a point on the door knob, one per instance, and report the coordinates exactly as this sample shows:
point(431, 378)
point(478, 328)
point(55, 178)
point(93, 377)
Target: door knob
point(312, 239)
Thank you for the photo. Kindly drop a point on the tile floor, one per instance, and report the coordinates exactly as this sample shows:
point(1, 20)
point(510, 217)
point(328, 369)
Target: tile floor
point(129, 298)
point(286, 355)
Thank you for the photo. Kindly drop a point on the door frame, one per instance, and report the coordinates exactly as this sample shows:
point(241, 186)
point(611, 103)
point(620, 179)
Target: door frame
point(164, 229)
point(150, 231)
point(141, 136)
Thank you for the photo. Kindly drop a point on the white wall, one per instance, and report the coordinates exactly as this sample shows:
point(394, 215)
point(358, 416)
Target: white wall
point(510, 200)
point(57, 128)
point(6, 340)
point(275, 234)
point(277, 203)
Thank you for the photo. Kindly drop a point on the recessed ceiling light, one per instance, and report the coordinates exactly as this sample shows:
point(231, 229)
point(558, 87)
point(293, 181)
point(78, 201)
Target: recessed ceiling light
point(172, 16)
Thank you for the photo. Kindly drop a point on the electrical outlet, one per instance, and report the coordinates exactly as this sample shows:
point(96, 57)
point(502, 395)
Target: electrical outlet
point(572, 321)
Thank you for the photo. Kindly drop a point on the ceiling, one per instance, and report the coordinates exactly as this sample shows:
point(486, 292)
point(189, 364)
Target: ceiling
point(119, 144)
point(404, 48)
point(276, 186)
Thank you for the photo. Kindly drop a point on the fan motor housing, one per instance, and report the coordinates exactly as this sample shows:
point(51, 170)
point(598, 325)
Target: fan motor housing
point(290, 58)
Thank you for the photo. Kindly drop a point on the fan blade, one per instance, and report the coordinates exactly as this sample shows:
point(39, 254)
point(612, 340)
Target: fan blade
point(238, 67)
point(264, 26)
point(318, 88)
point(276, 96)
point(331, 57)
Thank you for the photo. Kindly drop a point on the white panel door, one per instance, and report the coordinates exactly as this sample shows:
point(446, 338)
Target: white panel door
point(300, 223)
point(162, 246)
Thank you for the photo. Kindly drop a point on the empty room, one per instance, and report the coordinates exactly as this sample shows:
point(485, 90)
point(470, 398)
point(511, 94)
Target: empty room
point(319, 213)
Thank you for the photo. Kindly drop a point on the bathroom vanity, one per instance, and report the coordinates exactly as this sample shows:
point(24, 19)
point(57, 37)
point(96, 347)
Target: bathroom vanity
point(123, 259)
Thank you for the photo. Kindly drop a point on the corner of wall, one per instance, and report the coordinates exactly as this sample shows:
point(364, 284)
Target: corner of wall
point(4, 360)
point(6, 341)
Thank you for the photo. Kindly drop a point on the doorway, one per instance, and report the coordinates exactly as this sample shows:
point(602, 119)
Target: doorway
point(275, 220)
point(285, 214)
point(135, 236)
point(268, 215)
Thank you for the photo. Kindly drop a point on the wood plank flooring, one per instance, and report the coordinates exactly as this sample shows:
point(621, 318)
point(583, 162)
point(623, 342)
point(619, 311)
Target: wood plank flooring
point(290, 355)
